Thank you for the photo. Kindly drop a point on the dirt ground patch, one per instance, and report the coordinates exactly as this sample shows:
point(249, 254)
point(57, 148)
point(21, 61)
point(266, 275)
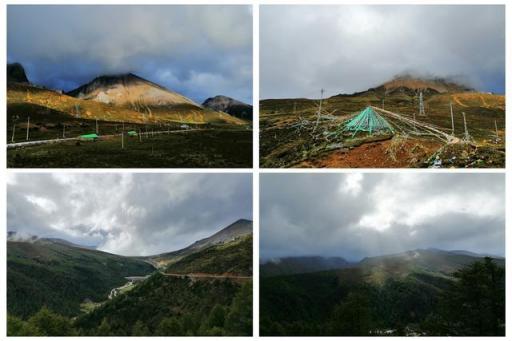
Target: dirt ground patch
point(382, 154)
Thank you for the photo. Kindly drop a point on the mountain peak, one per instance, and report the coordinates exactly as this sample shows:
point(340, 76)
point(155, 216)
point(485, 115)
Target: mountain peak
point(408, 82)
point(130, 90)
point(16, 73)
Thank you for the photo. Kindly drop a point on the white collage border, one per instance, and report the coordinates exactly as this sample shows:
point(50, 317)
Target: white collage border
point(256, 171)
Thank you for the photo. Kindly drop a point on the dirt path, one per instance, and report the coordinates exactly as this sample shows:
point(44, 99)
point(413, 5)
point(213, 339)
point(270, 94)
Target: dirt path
point(456, 99)
point(203, 276)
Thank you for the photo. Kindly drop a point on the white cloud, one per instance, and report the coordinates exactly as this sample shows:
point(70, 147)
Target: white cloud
point(350, 48)
point(354, 216)
point(42, 203)
point(352, 183)
point(130, 214)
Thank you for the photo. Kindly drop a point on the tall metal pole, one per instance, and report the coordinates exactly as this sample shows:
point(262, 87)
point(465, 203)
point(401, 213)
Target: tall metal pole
point(63, 131)
point(28, 127)
point(451, 113)
point(466, 134)
point(97, 131)
point(422, 106)
point(122, 137)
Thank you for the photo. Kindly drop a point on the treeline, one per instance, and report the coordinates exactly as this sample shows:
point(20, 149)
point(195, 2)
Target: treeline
point(473, 303)
point(233, 319)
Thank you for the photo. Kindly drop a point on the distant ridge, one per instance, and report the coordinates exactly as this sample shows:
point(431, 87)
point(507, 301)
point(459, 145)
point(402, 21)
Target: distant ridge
point(378, 268)
point(230, 106)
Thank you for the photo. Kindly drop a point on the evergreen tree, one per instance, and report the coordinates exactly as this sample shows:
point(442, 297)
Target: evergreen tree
point(352, 317)
point(169, 326)
point(239, 318)
point(47, 323)
point(104, 328)
point(15, 326)
point(140, 329)
point(475, 302)
point(217, 317)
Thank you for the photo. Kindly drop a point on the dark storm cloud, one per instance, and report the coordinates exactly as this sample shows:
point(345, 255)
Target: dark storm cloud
point(130, 214)
point(199, 51)
point(357, 215)
point(345, 49)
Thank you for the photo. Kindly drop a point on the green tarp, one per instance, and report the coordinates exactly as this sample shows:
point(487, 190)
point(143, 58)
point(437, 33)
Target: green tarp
point(89, 136)
point(368, 121)
point(132, 133)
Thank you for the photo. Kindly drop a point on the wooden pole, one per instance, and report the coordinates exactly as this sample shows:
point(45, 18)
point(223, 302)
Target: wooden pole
point(122, 137)
point(140, 135)
point(63, 131)
point(97, 131)
point(496, 128)
point(28, 127)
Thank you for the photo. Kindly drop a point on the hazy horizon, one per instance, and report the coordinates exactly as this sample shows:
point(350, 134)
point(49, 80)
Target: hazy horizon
point(364, 215)
point(356, 260)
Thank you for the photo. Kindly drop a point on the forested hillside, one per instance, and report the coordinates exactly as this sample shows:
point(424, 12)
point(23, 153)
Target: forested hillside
point(347, 302)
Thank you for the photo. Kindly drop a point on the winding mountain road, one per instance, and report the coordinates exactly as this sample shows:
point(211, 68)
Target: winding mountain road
point(208, 276)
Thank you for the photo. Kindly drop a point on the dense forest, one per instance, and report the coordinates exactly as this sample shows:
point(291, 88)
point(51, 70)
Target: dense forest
point(73, 295)
point(160, 306)
point(61, 276)
point(469, 302)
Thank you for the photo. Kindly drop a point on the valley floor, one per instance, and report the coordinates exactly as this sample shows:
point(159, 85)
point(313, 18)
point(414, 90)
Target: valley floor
point(213, 148)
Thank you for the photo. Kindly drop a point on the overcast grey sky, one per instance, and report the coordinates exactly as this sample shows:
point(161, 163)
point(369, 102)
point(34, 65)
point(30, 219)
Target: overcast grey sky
point(128, 214)
point(345, 49)
point(356, 215)
point(199, 51)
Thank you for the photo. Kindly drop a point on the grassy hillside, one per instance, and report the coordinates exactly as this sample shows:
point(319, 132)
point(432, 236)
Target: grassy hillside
point(164, 305)
point(283, 145)
point(24, 100)
point(61, 277)
point(234, 257)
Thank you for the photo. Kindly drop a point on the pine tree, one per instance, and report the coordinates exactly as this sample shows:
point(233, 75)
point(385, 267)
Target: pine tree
point(140, 329)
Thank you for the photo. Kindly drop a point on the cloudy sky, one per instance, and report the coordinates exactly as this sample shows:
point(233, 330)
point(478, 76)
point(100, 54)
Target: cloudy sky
point(344, 49)
point(199, 51)
point(128, 214)
point(355, 215)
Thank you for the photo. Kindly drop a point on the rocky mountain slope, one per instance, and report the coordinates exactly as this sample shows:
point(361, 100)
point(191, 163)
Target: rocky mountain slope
point(16, 73)
point(239, 229)
point(230, 106)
